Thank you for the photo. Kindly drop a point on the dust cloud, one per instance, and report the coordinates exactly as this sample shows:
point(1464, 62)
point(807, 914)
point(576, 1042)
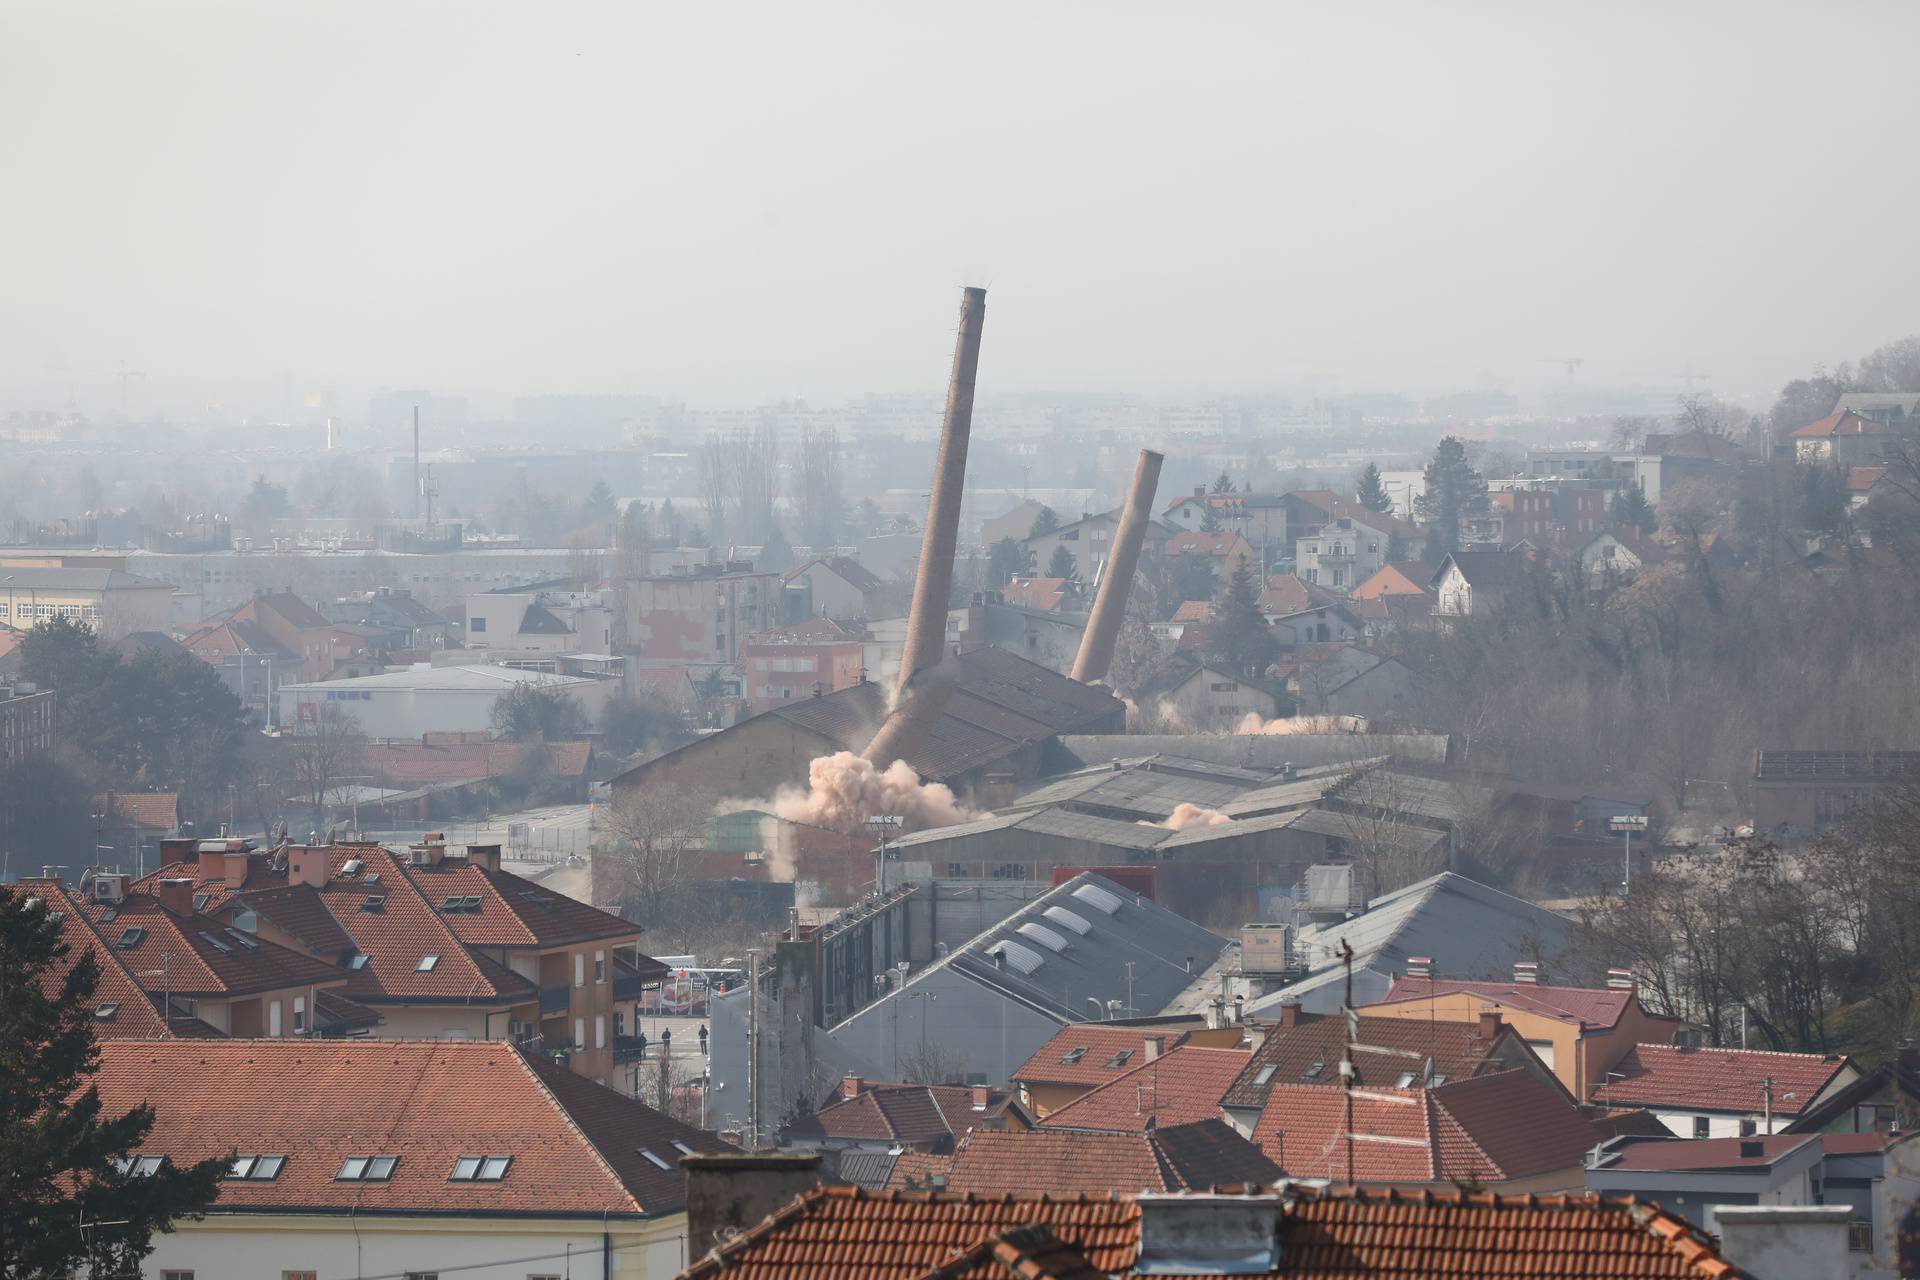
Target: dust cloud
point(1187, 815)
point(1252, 724)
point(844, 790)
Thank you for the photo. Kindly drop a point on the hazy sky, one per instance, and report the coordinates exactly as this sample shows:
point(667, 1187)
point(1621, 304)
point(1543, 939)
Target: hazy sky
point(727, 201)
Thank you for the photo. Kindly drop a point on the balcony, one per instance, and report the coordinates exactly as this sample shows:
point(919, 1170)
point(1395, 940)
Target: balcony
point(555, 1000)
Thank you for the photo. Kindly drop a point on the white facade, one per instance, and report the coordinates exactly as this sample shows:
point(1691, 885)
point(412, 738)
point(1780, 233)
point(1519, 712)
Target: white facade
point(408, 704)
point(1341, 555)
point(244, 1246)
point(495, 620)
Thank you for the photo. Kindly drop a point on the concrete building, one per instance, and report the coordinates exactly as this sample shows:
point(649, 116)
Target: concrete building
point(1342, 553)
point(427, 699)
point(700, 616)
point(836, 587)
point(110, 600)
point(805, 660)
point(542, 620)
point(1800, 793)
point(26, 722)
point(1089, 541)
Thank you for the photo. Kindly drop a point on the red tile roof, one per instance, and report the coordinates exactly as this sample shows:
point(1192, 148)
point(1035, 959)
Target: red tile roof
point(1195, 542)
point(1042, 594)
point(1671, 1154)
point(1844, 423)
point(514, 911)
point(910, 1113)
point(1862, 479)
point(1598, 1007)
point(575, 1145)
point(133, 1015)
point(1454, 1050)
point(1082, 1053)
point(1193, 611)
point(1492, 1128)
point(1339, 1233)
point(1195, 1156)
point(1665, 1075)
point(151, 810)
point(195, 955)
point(1180, 1086)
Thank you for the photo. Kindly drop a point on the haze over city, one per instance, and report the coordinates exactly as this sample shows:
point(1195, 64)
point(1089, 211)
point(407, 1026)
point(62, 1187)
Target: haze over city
point(733, 203)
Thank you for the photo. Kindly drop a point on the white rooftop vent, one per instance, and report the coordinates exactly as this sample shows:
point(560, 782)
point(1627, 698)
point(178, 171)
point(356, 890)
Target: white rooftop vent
point(1015, 956)
point(1097, 898)
point(1068, 920)
point(1042, 935)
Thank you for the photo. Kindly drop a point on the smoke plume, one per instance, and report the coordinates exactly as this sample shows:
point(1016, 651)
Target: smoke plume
point(844, 790)
point(1187, 815)
point(1251, 723)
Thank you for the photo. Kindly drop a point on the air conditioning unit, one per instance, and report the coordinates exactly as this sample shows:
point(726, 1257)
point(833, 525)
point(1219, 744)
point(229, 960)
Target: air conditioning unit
point(417, 856)
point(110, 887)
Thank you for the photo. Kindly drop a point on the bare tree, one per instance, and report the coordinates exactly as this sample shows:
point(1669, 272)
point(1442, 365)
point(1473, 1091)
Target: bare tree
point(713, 463)
point(817, 489)
point(753, 456)
point(325, 752)
point(647, 835)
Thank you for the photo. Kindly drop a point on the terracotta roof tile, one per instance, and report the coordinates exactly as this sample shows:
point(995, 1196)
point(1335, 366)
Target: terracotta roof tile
point(1665, 1075)
point(1082, 1053)
point(1455, 1049)
point(1340, 1233)
point(196, 955)
point(1062, 1162)
point(150, 810)
point(915, 1114)
point(514, 911)
point(1180, 1086)
point(574, 1144)
point(1844, 423)
point(131, 1014)
point(1588, 1006)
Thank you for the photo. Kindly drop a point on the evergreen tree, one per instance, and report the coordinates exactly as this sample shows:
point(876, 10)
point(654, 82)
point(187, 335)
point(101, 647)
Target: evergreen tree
point(1061, 565)
point(776, 554)
point(1005, 559)
point(1631, 508)
point(1372, 492)
point(1223, 483)
point(1455, 492)
point(1045, 522)
point(599, 506)
point(1209, 519)
point(68, 1204)
point(1240, 641)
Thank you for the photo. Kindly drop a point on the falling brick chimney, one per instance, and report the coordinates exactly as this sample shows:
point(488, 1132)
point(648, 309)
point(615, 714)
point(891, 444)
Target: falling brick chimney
point(176, 895)
point(919, 711)
point(1110, 601)
point(933, 586)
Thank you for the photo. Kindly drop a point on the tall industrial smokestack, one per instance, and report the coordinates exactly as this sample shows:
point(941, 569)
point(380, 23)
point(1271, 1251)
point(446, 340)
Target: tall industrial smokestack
point(416, 462)
point(1110, 601)
point(927, 622)
point(920, 709)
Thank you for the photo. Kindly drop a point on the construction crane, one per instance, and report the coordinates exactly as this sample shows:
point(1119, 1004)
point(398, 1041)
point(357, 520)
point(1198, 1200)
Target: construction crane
point(1571, 362)
point(124, 374)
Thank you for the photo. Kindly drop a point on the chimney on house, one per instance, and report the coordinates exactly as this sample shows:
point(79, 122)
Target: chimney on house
point(728, 1194)
point(979, 1097)
point(1526, 973)
point(307, 864)
point(484, 855)
point(1110, 601)
point(851, 1086)
point(1151, 1047)
point(176, 895)
point(933, 586)
point(235, 871)
point(1489, 1023)
point(1419, 966)
point(176, 849)
point(1619, 979)
point(1289, 1013)
point(1199, 491)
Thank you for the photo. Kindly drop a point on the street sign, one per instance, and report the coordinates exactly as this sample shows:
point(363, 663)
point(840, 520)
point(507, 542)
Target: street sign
point(1629, 822)
point(885, 820)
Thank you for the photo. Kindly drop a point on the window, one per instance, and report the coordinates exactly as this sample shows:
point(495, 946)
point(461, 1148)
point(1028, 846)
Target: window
point(426, 964)
point(422, 1275)
point(599, 966)
point(1699, 1126)
point(580, 1032)
point(130, 937)
point(579, 968)
point(299, 1014)
point(1748, 1127)
point(273, 1018)
point(1266, 1074)
point(105, 1012)
point(357, 962)
point(476, 625)
point(655, 1159)
point(140, 1166)
point(1120, 1059)
point(366, 1169)
point(374, 903)
point(255, 1168)
point(1313, 1072)
point(599, 1030)
point(176, 1275)
point(299, 1275)
point(480, 1168)
point(1073, 1055)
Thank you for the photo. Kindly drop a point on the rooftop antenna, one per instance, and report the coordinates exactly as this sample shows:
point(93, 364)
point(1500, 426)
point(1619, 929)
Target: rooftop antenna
point(1572, 364)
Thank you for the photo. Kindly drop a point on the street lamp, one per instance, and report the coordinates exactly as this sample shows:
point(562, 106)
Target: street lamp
point(881, 823)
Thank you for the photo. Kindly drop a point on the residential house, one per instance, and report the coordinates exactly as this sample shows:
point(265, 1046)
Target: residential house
point(425, 699)
point(1895, 408)
point(395, 609)
point(539, 620)
point(1345, 680)
point(322, 649)
point(702, 615)
point(1866, 483)
point(1224, 552)
point(1506, 1131)
point(1302, 1232)
point(1474, 583)
point(870, 1115)
point(1308, 510)
point(404, 1158)
point(1015, 524)
point(1396, 580)
point(1197, 1156)
point(1536, 510)
point(801, 660)
point(1846, 439)
point(1345, 551)
point(838, 588)
point(1200, 697)
point(1720, 1093)
point(1615, 556)
point(1580, 1033)
point(1165, 1087)
point(1083, 1056)
point(1457, 925)
point(251, 663)
point(1885, 1099)
point(26, 722)
point(192, 963)
point(1871, 1178)
point(127, 823)
point(1089, 540)
point(1305, 1048)
point(1043, 595)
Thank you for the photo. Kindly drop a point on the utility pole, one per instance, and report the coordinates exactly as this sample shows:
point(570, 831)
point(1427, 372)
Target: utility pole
point(416, 462)
point(1766, 1088)
point(1346, 1057)
point(753, 1049)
